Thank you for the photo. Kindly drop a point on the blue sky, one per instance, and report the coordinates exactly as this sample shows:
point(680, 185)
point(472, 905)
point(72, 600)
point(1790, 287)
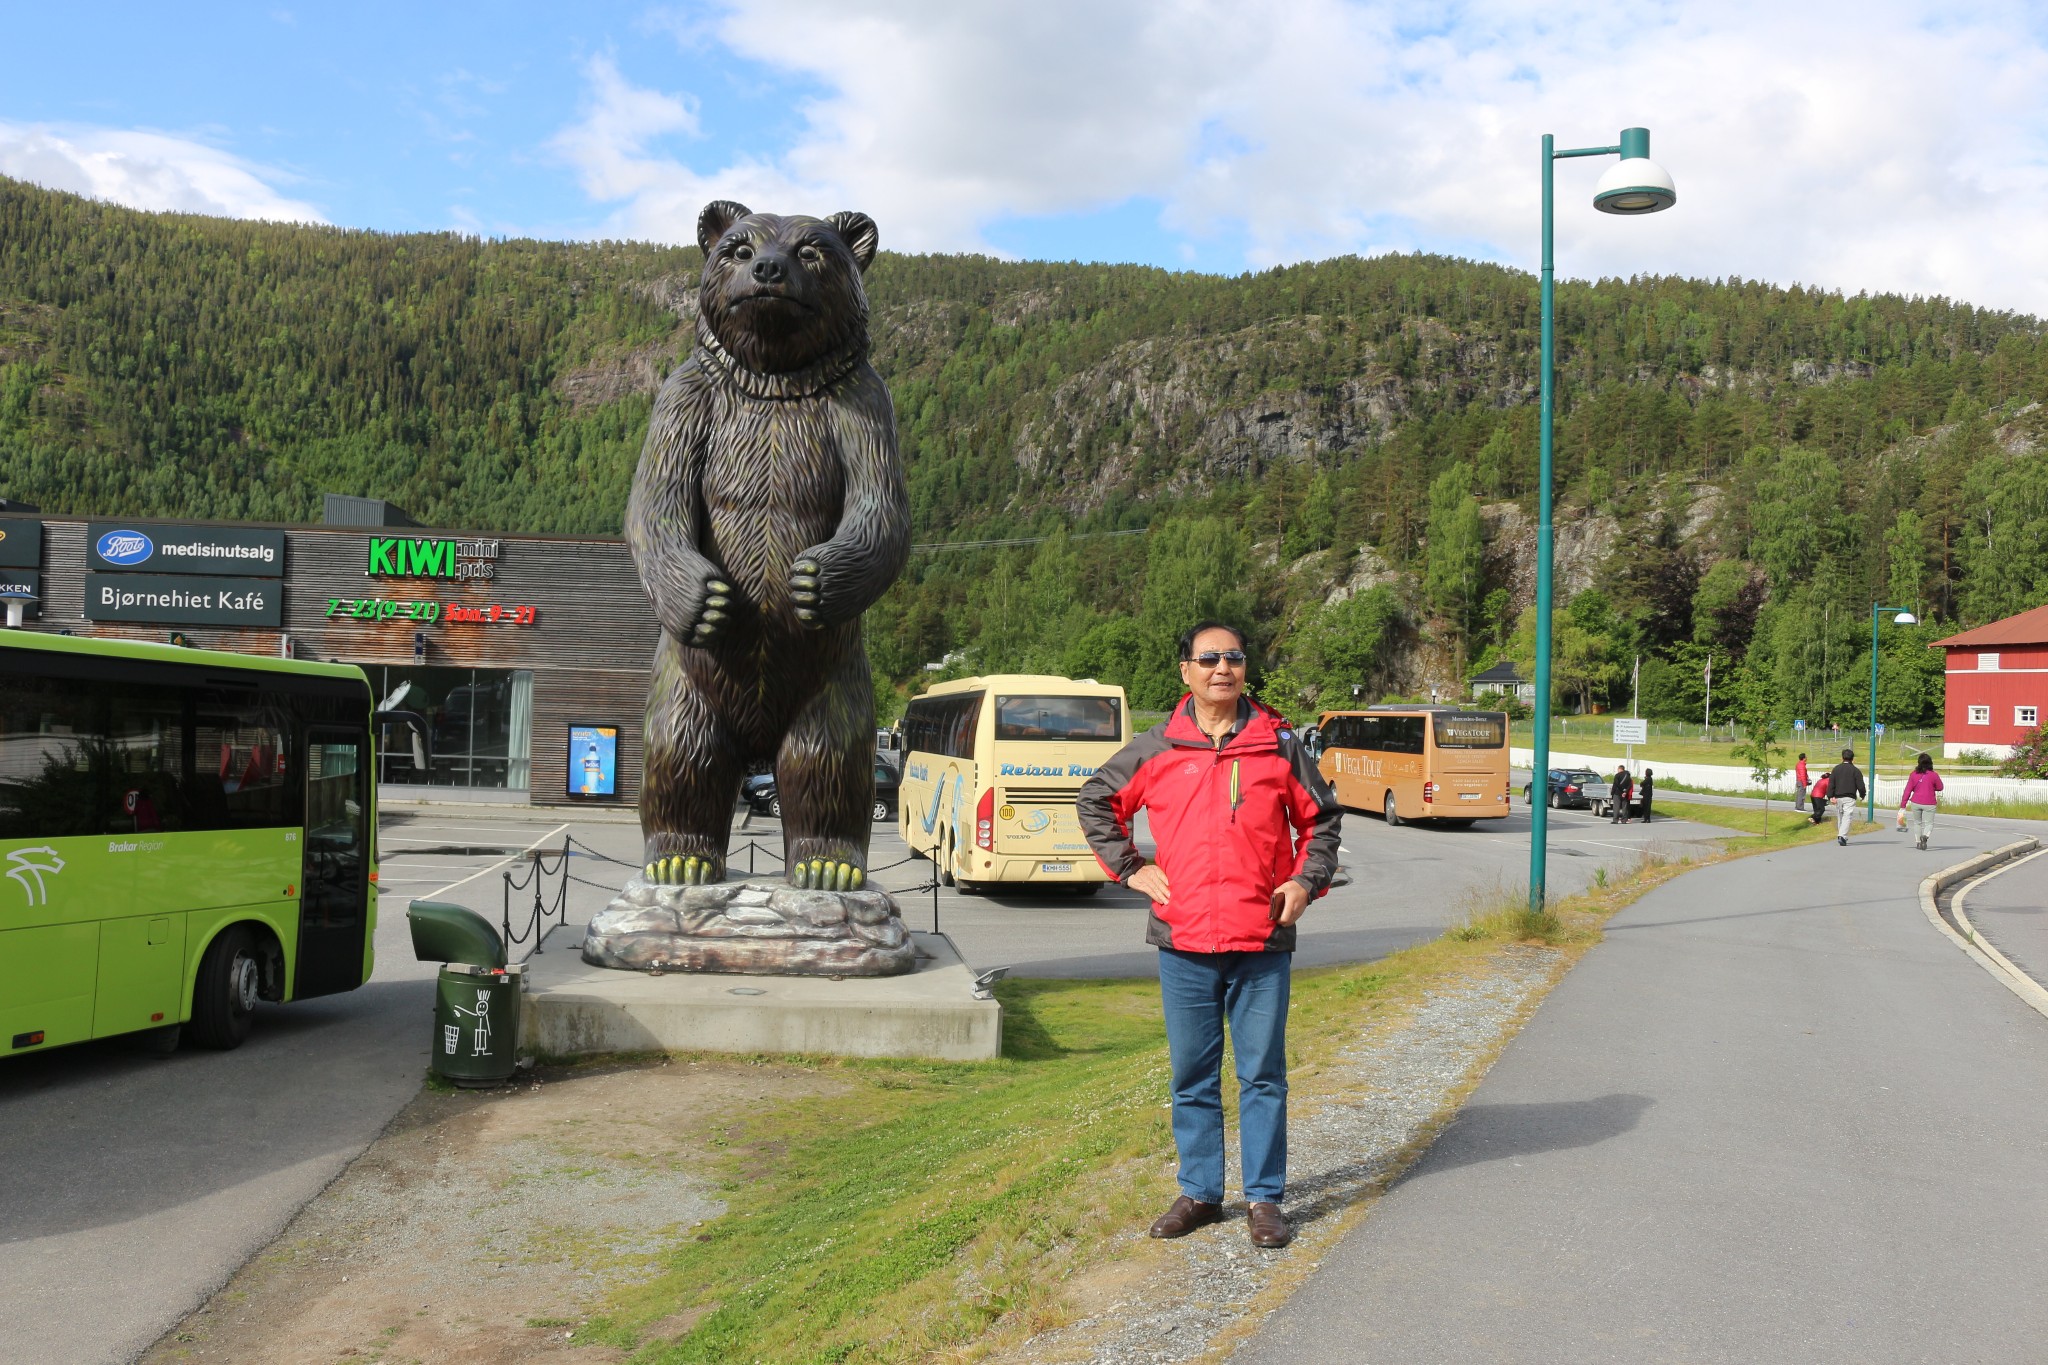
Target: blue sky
point(1877, 145)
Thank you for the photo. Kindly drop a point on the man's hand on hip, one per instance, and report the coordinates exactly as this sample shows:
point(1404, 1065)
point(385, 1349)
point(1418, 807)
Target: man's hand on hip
point(1290, 899)
point(1150, 881)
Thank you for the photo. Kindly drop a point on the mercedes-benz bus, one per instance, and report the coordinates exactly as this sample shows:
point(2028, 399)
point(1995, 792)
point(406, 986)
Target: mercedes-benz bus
point(991, 767)
point(183, 835)
point(1439, 763)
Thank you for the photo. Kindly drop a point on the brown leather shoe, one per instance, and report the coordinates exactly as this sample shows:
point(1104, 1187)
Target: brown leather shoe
point(1185, 1216)
point(1269, 1226)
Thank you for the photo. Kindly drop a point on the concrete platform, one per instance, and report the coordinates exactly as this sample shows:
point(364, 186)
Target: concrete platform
point(573, 1009)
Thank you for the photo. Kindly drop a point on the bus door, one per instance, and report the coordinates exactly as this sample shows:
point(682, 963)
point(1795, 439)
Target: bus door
point(334, 890)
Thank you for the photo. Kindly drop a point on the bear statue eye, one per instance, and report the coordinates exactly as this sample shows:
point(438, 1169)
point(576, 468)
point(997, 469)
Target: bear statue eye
point(807, 252)
point(743, 252)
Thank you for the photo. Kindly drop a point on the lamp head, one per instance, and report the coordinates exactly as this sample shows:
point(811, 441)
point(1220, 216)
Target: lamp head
point(1635, 184)
point(1905, 618)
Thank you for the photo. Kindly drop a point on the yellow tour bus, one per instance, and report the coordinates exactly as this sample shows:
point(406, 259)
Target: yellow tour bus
point(1440, 763)
point(991, 767)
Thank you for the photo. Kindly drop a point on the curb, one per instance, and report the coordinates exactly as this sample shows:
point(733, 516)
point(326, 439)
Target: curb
point(1983, 954)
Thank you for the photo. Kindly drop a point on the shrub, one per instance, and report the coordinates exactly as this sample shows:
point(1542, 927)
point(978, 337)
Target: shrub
point(2030, 759)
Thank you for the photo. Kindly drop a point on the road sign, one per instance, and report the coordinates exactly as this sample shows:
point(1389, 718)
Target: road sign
point(1631, 732)
point(1880, 727)
point(1799, 725)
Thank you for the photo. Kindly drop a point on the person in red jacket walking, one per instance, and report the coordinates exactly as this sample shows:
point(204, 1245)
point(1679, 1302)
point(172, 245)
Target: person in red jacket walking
point(1246, 835)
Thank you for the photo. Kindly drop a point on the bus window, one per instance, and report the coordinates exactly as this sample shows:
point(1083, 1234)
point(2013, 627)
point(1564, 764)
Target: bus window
point(1400, 734)
point(1056, 717)
point(52, 763)
point(1471, 732)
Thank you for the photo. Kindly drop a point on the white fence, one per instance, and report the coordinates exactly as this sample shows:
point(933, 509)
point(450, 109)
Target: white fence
point(1721, 777)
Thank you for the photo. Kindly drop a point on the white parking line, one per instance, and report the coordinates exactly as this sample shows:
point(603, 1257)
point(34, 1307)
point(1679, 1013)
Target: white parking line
point(493, 866)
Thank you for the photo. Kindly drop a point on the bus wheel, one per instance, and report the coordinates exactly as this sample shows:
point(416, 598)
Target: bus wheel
point(1393, 816)
point(224, 997)
point(946, 868)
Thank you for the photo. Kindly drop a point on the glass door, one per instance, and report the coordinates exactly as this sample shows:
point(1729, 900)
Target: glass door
point(333, 894)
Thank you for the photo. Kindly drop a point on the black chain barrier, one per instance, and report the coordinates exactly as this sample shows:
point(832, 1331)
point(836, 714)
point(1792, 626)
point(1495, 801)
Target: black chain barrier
point(537, 868)
point(572, 846)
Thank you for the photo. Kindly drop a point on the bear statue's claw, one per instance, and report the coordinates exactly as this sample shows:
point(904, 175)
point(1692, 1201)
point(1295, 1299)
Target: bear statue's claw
point(827, 874)
point(710, 616)
point(686, 870)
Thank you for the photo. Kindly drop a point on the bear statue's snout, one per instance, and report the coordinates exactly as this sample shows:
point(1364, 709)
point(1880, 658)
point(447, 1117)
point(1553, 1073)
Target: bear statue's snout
point(770, 269)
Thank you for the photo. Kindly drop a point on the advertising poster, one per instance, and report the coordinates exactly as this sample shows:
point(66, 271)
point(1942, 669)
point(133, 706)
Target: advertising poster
point(593, 760)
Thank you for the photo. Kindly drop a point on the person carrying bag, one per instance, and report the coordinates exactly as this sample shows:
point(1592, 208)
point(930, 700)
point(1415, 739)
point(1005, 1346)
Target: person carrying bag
point(1920, 797)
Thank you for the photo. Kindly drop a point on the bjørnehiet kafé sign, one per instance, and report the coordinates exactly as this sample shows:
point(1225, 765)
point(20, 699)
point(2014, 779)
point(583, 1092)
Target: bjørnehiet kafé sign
point(147, 547)
point(21, 543)
point(184, 601)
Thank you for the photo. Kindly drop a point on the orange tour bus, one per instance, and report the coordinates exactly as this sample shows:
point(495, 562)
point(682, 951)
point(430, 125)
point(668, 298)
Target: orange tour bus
point(1440, 763)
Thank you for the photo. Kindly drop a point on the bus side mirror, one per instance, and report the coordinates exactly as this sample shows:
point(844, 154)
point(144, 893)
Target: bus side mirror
point(450, 933)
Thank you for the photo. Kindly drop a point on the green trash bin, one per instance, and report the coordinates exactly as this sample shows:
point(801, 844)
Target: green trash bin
point(476, 1023)
point(476, 996)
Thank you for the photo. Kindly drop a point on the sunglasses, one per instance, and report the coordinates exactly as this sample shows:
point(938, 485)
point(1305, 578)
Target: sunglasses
point(1213, 657)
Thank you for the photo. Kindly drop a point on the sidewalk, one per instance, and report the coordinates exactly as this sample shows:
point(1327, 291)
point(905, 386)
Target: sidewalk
point(1774, 1117)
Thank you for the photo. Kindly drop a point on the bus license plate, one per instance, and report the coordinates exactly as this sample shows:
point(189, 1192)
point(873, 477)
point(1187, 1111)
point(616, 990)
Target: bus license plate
point(1055, 867)
point(1468, 796)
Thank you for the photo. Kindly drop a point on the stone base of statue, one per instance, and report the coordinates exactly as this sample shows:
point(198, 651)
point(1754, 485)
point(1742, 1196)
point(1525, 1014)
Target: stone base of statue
point(756, 928)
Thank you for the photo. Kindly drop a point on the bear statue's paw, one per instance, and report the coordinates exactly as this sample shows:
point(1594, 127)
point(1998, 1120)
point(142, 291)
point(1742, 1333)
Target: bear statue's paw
point(686, 870)
point(712, 615)
point(803, 590)
point(827, 874)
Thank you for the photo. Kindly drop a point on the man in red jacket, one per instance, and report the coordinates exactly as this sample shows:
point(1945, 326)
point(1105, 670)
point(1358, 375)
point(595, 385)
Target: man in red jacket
point(1246, 832)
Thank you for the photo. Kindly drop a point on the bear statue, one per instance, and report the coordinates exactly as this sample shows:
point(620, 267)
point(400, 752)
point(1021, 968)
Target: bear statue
point(768, 512)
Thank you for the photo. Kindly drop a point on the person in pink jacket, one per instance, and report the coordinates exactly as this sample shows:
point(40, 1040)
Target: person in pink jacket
point(1917, 801)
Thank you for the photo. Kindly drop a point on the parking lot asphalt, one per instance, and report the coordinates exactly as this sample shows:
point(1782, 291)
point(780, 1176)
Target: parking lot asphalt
point(163, 1175)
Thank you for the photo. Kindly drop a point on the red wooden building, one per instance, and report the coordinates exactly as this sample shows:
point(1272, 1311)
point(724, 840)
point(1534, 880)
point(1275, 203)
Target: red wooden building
point(1997, 684)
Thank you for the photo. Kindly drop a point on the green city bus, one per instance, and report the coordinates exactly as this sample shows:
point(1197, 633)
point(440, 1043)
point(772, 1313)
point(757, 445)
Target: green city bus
point(183, 834)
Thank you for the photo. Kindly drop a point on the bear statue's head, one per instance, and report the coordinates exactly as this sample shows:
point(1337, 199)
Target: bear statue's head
point(783, 294)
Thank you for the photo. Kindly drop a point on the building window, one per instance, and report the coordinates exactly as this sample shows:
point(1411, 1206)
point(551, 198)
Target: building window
point(1980, 715)
point(477, 726)
point(2026, 715)
point(1987, 663)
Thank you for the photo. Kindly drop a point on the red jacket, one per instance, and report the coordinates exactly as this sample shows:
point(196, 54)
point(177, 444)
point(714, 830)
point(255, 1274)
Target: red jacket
point(1231, 824)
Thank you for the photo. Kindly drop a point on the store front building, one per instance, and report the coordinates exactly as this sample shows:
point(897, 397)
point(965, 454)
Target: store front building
point(507, 668)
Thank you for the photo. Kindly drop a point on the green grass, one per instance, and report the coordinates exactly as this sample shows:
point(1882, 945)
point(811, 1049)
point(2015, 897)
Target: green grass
point(1592, 736)
point(2017, 808)
point(934, 1209)
point(1782, 826)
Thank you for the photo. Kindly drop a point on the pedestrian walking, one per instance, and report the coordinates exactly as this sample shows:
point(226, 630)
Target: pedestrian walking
point(1644, 792)
point(1819, 797)
point(1621, 788)
point(1247, 836)
point(1917, 801)
point(1845, 789)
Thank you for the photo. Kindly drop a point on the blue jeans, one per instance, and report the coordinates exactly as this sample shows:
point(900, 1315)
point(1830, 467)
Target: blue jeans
point(1199, 992)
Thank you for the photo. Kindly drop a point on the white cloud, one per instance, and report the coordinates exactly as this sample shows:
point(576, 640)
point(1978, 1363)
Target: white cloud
point(147, 170)
point(1883, 145)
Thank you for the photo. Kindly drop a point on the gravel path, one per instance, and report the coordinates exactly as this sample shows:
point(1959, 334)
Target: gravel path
point(1355, 1125)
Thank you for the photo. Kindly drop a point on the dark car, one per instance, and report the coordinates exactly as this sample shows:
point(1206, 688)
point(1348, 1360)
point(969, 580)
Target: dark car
point(1574, 789)
point(758, 792)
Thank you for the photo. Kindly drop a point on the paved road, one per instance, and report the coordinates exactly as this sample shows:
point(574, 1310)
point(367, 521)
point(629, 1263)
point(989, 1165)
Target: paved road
point(133, 1186)
point(2012, 912)
point(163, 1175)
point(1409, 883)
point(1775, 1117)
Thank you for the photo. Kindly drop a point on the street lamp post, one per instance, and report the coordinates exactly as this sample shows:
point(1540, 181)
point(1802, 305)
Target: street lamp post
point(1633, 185)
point(1904, 618)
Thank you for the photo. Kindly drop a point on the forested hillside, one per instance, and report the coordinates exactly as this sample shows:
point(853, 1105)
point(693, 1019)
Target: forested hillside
point(1342, 455)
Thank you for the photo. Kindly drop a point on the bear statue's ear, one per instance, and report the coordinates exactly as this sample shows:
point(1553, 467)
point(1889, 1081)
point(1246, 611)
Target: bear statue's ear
point(718, 215)
point(858, 231)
